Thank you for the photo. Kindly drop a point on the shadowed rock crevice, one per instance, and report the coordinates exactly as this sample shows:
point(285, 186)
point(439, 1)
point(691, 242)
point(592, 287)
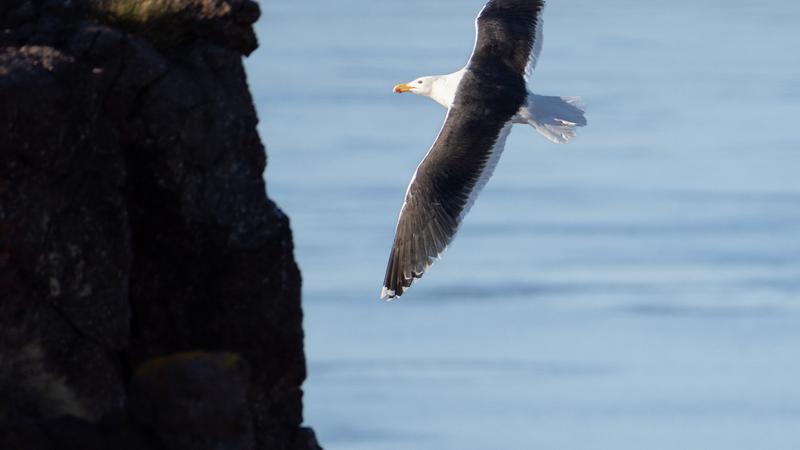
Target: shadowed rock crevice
point(149, 297)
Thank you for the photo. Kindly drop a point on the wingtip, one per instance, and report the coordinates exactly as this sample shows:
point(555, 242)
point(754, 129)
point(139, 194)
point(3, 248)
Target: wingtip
point(387, 294)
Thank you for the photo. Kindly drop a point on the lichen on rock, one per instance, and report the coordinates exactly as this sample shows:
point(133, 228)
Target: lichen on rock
point(170, 22)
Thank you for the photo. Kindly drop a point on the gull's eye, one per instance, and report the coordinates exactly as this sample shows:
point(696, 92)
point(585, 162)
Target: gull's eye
point(419, 82)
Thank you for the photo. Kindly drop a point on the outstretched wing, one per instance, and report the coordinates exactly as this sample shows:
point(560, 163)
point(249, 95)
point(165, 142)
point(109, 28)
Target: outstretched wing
point(441, 192)
point(511, 30)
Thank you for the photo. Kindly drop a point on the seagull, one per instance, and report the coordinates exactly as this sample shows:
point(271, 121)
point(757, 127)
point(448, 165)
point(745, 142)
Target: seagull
point(483, 101)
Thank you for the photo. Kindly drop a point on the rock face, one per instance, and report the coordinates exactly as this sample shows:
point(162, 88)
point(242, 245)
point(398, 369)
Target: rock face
point(149, 298)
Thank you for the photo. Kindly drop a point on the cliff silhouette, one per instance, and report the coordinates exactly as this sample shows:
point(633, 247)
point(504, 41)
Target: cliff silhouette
point(149, 297)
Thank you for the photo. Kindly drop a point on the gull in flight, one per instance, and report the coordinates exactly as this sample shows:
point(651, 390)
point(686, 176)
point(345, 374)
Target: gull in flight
point(483, 101)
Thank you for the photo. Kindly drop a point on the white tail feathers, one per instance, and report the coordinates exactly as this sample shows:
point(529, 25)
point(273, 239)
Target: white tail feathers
point(554, 117)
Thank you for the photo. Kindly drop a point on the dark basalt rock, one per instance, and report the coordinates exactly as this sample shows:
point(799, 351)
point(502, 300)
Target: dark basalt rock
point(195, 400)
point(149, 297)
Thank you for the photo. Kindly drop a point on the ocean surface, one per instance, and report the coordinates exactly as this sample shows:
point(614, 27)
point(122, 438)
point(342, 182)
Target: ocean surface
point(637, 289)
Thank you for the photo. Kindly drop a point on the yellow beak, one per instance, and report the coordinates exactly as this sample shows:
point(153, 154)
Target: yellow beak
point(400, 88)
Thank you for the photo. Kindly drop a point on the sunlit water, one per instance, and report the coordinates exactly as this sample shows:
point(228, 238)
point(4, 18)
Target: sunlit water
point(638, 289)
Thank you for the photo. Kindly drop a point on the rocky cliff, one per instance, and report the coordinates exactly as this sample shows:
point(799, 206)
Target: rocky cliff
point(149, 298)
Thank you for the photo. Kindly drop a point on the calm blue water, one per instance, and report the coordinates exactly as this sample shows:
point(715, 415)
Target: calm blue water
point(636, 289)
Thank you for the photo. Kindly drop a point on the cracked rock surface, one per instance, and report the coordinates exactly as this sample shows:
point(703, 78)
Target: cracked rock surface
point(149, 297)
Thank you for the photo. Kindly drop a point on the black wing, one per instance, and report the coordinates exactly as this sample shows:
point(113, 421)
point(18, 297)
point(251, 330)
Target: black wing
point(509, 31)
